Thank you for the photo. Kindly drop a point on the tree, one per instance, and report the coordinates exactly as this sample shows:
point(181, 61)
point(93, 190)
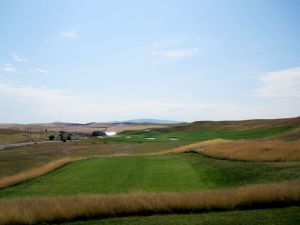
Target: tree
point(69, 137)
point(51, 137)
point(98, 133)
point(61, 136)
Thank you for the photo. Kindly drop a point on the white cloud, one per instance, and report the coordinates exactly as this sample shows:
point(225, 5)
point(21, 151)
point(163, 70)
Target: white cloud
point(280, 84)
point(69, 34)
point(176, 53)
point(8, 68)
point(40, 99)
point(42, 71)
point(18, 58)
point(167, 52)
point(46, 104)
point(38, 71)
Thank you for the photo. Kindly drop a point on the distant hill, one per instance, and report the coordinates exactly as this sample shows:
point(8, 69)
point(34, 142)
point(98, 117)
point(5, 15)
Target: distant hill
point(156, 121)
point(140, 124)
point(239, 124)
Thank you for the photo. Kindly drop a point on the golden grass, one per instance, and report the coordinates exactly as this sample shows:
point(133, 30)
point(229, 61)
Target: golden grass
point(36, 172)
point(246, 150)
point(292, 135)
point(60, 208)
point(254, 150)
point(189, 147)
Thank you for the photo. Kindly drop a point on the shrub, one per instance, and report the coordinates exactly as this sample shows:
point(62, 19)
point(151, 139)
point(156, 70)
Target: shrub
point(51, 137)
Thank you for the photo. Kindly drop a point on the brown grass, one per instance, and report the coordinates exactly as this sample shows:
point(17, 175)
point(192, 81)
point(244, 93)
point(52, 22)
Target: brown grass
point(257, 150)
point(292, 135)
point(246, 150)
point(187, 148)
point(35, 172)
point(60, 208)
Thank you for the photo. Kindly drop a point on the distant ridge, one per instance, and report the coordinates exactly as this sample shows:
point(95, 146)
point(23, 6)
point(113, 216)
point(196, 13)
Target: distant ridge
point(149, 121)
point(155, 121)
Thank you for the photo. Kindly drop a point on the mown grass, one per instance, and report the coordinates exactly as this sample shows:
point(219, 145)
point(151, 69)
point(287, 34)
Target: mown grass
point(278, 216)
point(176, 173)
point(46, 209)
point(116, 174)
point(34, 173)
point(16, 160)
point(226, 173)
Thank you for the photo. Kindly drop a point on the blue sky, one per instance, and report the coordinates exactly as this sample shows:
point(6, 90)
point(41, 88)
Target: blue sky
point(81, 61)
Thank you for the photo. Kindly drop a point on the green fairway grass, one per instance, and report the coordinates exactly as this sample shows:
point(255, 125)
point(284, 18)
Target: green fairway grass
point(16, 160)
point(172, 173)
point(279, 216)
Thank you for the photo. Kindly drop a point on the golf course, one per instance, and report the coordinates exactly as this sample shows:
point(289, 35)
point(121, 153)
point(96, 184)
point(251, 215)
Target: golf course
point(180, 175)
point(174, 112)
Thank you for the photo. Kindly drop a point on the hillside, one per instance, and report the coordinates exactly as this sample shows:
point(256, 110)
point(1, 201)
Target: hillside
point(238, 124)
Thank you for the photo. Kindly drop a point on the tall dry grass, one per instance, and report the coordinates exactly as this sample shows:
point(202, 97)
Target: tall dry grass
point(36, 172)
point(247, 150)
point(47, 209)
point(254, 150)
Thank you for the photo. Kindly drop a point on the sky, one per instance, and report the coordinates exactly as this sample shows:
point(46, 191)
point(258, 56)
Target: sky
point(183, 60)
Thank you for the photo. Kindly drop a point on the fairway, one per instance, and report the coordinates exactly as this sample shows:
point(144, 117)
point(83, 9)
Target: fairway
point(175, 173)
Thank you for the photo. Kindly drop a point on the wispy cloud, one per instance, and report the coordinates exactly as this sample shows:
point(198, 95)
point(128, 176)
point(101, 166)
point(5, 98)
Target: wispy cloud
point(40, 99)
point(26, 69)
point(280, 84)
point(18, 58)
point(8, 68)
point(38, 71)
point(167, 51)
point(69, 34)
point(42, 71)
point(176, 53)
point(54, 104)
point(49, 104)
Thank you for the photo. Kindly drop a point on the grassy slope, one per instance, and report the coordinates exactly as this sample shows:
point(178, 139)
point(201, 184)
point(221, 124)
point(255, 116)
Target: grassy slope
point(15, 160)
point(198, 134)
point(280, 216)
point(185, 172)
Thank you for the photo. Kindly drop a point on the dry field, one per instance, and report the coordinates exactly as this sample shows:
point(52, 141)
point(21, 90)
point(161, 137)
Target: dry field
point(84, 128)
point(246, 150)
point(243, 124)
point(61, 208)
point(255, 150)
